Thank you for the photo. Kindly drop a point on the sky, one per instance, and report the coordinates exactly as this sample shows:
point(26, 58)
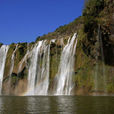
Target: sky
point(25, 20)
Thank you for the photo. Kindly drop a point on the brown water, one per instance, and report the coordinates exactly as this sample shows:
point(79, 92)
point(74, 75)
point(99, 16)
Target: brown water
point(57, 105)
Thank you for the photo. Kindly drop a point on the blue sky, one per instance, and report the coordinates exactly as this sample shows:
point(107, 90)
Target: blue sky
point(24, 20)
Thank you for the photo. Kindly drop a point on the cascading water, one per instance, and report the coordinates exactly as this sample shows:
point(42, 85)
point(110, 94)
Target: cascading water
point(66, 68)
point(33, 68)
point(12, 60)
point(96, 74)
point(43, 77)
point(3, 54)
point(100, 51)
point(23, 60)
point(11, 67)
point(97, 65)
point(38, 76)
point(103, 59)
point(39, 68)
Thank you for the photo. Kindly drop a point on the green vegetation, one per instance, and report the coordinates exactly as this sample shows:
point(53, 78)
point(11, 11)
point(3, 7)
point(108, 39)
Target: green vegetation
point(1, 44)
point(93, 7)
point(96, 14)
point(21, 51)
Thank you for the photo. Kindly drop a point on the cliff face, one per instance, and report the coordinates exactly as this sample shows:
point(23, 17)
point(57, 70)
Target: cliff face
point(94, 58)
point(97, 45)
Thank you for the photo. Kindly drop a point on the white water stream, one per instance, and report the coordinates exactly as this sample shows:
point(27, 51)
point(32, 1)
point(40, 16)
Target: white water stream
point(3, 54)
point(66, 69)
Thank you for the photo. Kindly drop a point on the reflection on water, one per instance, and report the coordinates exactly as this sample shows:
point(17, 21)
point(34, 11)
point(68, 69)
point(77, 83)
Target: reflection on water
point(57, 105)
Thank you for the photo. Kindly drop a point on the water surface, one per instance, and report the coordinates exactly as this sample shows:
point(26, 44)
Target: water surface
point(57, 105)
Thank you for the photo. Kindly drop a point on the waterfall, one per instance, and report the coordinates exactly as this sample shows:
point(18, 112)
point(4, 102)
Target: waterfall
point(33, 68)
point(3, 54)
point(12, 60)
point(38, 76)
point(11, 67)
point(103, 59)
point(97, 65)
point(97, 77)
point(66, 68)
point(43, 77)
point(23, 60)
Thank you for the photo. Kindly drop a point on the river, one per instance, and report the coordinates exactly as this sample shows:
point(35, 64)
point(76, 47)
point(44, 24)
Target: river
point(57, 105)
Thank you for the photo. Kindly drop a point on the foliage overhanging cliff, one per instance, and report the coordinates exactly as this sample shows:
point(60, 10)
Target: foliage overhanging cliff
point(97, 14)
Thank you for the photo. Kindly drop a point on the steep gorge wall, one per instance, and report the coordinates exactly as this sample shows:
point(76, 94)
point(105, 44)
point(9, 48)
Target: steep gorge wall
point(84, 77)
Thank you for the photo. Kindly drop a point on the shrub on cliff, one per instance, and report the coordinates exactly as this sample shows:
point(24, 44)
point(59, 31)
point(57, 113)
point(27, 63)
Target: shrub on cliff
point(90, 13)
point(93, 7)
